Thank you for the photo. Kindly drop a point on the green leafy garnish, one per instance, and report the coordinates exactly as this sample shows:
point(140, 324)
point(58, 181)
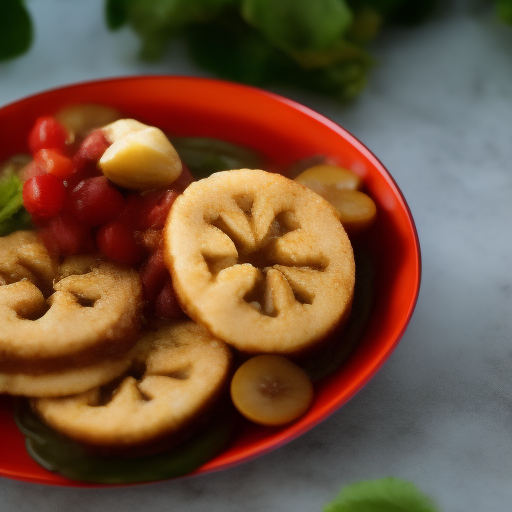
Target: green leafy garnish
point(115, 12)
point(504, 10)
point(204, 156)
point(385, 495)
point(299, 25)
point(57, 453)
point(16, 30)
point(12, 214)
point(157, 21)
point(318, 45)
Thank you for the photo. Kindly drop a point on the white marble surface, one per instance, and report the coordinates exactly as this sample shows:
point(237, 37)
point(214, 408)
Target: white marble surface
point(438, 113)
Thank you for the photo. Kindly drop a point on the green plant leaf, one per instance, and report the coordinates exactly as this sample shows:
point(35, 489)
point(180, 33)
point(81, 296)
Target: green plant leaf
point(231, 49)
point(12, 214)
point(504, 10)
point(158, 21)
point(297, 25)
point(116, 13)
point(16, 30)
point(385, 495)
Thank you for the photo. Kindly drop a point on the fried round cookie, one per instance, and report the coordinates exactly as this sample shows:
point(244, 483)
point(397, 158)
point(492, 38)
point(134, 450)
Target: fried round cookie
point(67, 381)
point(178, 374)
point(89, 317)
point(261, 261)
point(23, 256)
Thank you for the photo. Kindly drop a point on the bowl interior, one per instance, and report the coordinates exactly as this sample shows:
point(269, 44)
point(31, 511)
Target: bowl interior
point(285, 132)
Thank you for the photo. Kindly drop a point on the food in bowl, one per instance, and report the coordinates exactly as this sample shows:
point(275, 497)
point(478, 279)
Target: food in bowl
point(77, 209)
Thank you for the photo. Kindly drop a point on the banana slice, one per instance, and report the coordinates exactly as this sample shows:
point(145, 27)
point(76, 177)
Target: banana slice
point(177, 376)
point(23, 256)
point(89, 317)
point(140, 157)
point(80, 120)
point(261, 261)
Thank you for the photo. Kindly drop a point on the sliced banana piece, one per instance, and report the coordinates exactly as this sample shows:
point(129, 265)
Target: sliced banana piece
point(89, 317)
point(261, 261)
point(23, 256)
point(79, 120)
point(140, 157)
point(177, 376)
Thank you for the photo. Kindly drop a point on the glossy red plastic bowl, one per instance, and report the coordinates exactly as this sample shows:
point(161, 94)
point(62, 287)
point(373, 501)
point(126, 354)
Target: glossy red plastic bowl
point(285, 132)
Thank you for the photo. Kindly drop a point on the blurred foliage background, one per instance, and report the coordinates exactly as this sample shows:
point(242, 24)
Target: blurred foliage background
point(320, 45)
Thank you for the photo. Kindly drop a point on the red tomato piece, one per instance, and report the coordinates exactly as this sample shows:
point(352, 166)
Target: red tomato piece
point(166, 304)
point(44, 196)
point(184, 179)
point(47, 133)
point(153, 275)
point(91, 149)
point(64, 235)
point(95, 201)
point(54, 163)
point(133, 212)
point(115, 240)
point(158, 214)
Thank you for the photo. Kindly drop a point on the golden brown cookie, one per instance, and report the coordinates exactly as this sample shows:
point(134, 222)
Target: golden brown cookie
point(89, 317)
point(23, 256)
point(177, 376)
point(66, 381)
point(261, 261)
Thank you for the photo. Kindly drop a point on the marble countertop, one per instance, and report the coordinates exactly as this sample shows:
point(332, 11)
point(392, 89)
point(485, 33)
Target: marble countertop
point(437, 112)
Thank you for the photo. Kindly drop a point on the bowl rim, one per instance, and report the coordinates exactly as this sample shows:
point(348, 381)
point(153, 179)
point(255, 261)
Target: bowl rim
point(295, 430)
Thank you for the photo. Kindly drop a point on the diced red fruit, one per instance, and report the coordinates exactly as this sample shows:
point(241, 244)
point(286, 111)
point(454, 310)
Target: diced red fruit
point(133, 211)
point(54, 162)
point(91, 149)
point(95, 201)
point(115, 240)
point(80, 175)
point(158, 214)
point(166, 304)
point(184, 179)
point(47, 133)
point(44, 196)
point(149, 210)
point(64, 235)
point(153, 275)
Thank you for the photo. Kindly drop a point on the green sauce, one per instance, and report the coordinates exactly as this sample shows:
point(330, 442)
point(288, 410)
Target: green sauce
point(331, 357)
point(57, 453)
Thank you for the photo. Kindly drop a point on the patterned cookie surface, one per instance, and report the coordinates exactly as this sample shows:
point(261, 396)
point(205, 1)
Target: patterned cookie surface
point(261, 261)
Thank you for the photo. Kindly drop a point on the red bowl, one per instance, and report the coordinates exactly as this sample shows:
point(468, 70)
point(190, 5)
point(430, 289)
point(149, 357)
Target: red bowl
point(285, 132)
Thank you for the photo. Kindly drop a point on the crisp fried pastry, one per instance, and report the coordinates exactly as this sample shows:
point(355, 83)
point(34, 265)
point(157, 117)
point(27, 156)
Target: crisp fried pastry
point(89, 316)
point(178, 373)
point(67, 381)
point(23, 256)
point(261, 261)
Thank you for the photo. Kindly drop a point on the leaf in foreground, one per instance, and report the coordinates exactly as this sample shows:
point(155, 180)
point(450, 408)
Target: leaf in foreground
point(385, 495)
point(16, 31)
